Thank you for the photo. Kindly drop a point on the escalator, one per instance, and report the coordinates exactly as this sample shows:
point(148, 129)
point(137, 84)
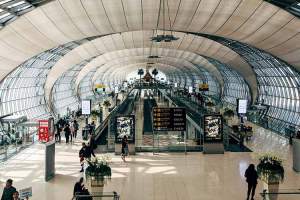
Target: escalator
point(148, 106)
point(125, 108)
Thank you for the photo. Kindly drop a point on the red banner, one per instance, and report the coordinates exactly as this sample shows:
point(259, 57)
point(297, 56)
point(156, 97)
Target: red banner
point(46, 130)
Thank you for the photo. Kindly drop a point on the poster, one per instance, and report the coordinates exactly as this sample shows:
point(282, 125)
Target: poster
point(125, 126)
point(242, 106)
point(86, 107)
point(46, 130)
point(26, 192)
point(213, 128)
point(190, 89)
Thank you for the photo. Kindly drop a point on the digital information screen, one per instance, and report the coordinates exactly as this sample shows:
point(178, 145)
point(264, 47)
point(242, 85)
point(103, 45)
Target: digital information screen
point(169, 119)
point(86, 107)
point(125, 126)
point(213, 128)
point(242, 106)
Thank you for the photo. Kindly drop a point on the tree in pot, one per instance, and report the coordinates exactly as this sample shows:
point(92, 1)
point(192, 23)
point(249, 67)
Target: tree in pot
point(106, 105)
point(270, 170)
point(228, 114)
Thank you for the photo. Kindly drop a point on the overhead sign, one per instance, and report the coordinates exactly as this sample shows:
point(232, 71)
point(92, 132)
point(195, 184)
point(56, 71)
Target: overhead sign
point(169, 119)
point(86, 107)
point(242, 106)
point(25, 193)
point(213, 128)
point(203, 87)
point(99, 85)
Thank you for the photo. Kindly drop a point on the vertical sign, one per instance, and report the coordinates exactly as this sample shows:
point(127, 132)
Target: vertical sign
point(241, 106)
point(43, 131)
point(86, 107)
point(213, 128)
point(190, 89)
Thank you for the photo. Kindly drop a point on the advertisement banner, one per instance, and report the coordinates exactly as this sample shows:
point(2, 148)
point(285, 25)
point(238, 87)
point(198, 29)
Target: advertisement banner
point(86, 107)
point(213, 128)
point(125, 127)
point(43, 131)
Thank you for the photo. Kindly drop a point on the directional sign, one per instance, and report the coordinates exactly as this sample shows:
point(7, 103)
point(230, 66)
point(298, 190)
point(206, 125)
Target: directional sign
point(169, 119)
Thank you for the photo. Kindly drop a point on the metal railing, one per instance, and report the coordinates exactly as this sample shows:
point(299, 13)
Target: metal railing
point(282, 194)
point(97, 195)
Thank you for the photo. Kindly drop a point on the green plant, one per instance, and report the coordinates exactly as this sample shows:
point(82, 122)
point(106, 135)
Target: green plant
point(98, 167)
point(95, 112)
point(270, 168)
point(106, 103)
point(210, 104)
point(228, 113)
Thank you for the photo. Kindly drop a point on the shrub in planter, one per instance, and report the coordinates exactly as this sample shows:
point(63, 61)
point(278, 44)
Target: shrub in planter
point(270, 168)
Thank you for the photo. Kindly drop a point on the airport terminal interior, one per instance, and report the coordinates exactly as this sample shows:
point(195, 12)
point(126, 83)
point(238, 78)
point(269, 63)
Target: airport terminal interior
point(150, 99)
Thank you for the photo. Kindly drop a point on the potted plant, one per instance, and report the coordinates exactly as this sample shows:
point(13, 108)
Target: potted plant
point(270, 170)
point(98, 171)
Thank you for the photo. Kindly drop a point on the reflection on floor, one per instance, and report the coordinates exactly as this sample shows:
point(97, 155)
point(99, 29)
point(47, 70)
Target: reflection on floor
point(146, 176)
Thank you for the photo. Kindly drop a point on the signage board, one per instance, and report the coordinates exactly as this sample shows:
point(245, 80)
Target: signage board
point(169, 119)
point(46, 130)
point(125, 126)
point(213, 128)
point(86, 107)
point(190, 89)
point(176, 85)
point(241, 106)
point(116, 89)
point(203, 87)
point(25, 193)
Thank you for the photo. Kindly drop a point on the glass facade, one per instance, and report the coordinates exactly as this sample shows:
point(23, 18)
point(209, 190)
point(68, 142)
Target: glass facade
point(278, 86)
point(235, 87)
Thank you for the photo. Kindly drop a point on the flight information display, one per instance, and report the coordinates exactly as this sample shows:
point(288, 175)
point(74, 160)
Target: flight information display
point(213, 128)
point(169, 119)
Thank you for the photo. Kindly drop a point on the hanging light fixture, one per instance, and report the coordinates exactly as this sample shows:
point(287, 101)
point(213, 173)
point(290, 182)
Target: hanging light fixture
point(164, 37)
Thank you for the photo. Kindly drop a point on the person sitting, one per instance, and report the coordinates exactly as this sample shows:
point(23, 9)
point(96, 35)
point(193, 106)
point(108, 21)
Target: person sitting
point(78, 187)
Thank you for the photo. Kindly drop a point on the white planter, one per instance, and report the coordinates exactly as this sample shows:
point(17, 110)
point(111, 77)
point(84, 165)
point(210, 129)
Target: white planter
point(271, 188)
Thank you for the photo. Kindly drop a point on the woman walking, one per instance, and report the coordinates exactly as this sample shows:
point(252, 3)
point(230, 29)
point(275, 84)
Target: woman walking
point(251, 178)
point(124, 148)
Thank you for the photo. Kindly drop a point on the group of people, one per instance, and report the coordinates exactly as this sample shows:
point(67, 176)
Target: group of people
point(70, 129)
point(10, 192)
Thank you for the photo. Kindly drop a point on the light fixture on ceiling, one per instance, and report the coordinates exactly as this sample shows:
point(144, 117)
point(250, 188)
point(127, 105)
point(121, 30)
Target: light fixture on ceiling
point(164, 37)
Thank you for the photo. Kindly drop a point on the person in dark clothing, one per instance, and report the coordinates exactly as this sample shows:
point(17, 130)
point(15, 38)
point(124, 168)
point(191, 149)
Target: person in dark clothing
point(92, 127)
point(8, 190)
point(67, 132)
point(76, 127)
point(124, 152)
point(93, 142)
point(78, 187)
point(89, 152)
point(82, 155)
point(58, 131)
point(251, 178)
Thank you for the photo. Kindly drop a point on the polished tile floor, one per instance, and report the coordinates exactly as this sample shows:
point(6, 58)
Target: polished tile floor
point(173, 176)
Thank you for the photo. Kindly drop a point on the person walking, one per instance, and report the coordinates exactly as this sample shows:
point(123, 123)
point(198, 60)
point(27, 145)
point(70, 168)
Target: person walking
point(8, 190)
point(82, 155)
point(67, 132)
point(251, 178)
point(76, 128)
point(124, 152)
